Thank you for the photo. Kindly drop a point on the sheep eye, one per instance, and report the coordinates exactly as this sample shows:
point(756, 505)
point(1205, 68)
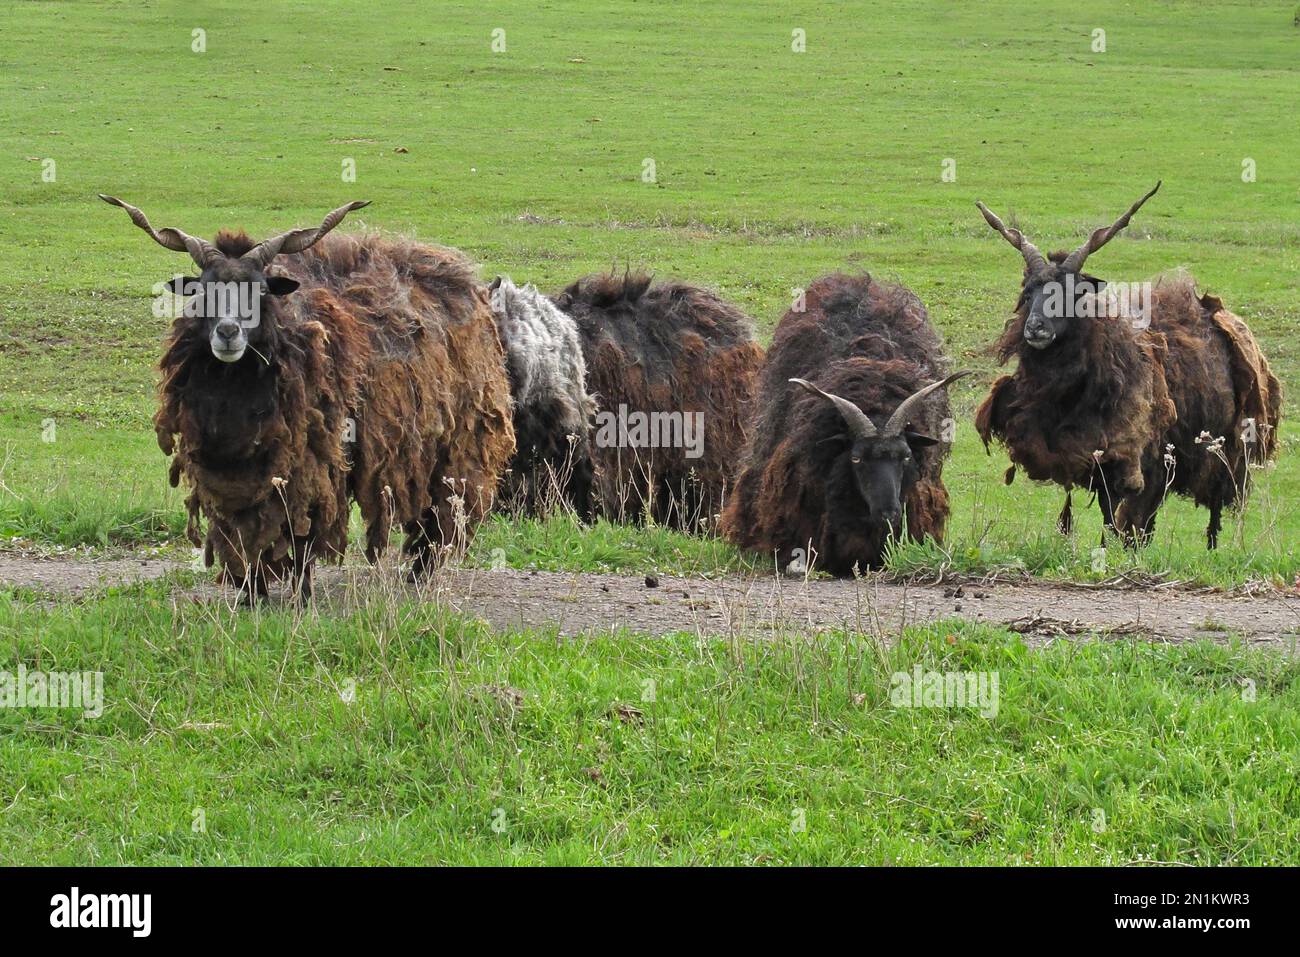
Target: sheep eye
point(857, 459)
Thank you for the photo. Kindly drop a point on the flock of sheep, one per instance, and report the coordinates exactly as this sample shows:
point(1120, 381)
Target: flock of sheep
point(382, 371)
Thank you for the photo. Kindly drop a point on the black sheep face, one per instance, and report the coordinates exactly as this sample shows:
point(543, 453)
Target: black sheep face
point(883, 469)
point(1055, 287)
point(1053, 303)
point(230, 300)
point(881, 458)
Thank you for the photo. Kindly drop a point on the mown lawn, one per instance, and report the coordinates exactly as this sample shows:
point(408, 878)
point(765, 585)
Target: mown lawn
point(397, 734)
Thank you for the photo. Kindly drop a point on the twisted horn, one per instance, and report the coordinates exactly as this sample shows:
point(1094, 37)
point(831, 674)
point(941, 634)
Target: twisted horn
point(898, 420)
point(1100, 237)
point(201, 251)
point(1033, 258)
point(296, 240)
point(859, 425)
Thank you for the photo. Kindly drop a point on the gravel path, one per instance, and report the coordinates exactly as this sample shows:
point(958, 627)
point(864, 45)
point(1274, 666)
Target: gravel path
point(585, 603)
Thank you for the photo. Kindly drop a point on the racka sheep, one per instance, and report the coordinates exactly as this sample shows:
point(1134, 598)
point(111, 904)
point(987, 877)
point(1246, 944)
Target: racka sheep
point(552, 409)
point(673, 369)
point(359, 366)
point(852, 431)
point(1129, 403)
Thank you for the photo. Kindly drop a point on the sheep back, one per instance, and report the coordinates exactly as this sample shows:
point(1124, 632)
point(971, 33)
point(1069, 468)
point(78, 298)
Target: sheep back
point(666, 347)
point(552, 408)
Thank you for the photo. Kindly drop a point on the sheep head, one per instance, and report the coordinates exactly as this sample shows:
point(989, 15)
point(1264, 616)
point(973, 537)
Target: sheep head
point(881, 457)
point(227, 300)
point(1053, 286)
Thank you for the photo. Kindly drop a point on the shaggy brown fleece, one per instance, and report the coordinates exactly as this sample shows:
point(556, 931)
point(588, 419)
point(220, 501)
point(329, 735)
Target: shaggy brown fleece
point(1121, 411)
point(665, 347)
point(871, 343)
point(386, 381)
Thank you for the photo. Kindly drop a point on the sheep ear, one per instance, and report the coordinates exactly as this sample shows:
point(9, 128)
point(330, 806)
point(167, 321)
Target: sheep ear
point(917, 439)
point(280, 285)
point(495, 283)
point(179, 284)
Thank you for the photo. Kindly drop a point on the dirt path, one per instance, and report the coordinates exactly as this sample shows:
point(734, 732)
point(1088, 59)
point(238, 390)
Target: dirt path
point(584, 603)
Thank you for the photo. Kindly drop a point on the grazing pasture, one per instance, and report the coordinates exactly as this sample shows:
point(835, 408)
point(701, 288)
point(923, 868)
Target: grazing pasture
point(309, 741)
point(783, 166)
point(746, 149)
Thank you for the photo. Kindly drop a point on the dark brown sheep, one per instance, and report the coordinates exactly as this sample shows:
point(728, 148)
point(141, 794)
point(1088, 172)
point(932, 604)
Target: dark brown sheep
point(852, 452)
point(673, 368)
point(1130, 404)
point(362, 365)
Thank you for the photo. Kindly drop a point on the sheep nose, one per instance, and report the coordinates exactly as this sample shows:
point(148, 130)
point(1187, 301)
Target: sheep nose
point(227, 329)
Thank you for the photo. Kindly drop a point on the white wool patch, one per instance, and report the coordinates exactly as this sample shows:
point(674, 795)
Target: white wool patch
point(544, 355)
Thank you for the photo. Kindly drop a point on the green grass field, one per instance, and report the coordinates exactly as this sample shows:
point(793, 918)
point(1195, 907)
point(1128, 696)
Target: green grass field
point(772, 167)
point(396, 734)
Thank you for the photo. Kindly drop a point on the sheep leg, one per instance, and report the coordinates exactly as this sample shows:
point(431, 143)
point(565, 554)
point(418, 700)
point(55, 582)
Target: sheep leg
point(420, 539)
point(437, 532)
point(1065, 521)
point(1149, 527)
point(1212, 532)
point(253, 587)
point(580, 489)
point(1107, 506)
